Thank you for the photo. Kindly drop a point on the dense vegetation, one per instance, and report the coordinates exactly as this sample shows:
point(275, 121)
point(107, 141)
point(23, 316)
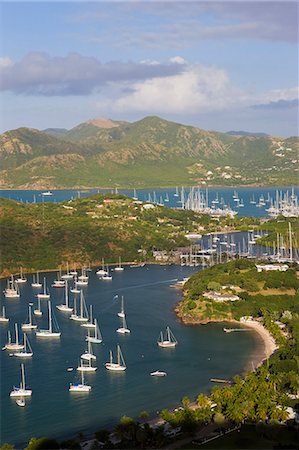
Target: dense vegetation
point(149, 152)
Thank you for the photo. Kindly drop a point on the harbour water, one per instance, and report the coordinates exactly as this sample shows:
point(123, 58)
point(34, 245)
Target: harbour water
point(166, 196)
point(203, 352)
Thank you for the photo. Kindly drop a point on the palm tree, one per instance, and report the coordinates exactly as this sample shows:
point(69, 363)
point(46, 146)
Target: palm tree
point(203, 401)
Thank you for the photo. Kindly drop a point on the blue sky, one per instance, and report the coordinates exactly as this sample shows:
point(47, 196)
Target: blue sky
point(216, 65)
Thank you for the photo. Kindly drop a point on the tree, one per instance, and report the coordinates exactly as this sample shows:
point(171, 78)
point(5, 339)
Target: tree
point(203, 401)
point(7, 446)
point(42, 443)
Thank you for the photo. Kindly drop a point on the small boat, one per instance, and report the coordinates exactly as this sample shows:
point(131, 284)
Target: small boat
point(83, 315)
point(49, 333)
point(80, 387)
point(38, 311)
point(169, 341)
point(3, 318)
point(14, 345)
point(70, 369)
point(21, 278)
point(135, 197)
point(158, 373)
point(47, 193)
point(82, 279)
point(67, 275)
point(12, 289)
point(64, 307)
point(86, 366)
point(27, 352)
point(88, 355)
point(122, 310)
point(35, 281)
point(97, 338)
point(120, 365)
point(124, 329)
point(176, 194)
point(119, 268)
point(90, 323)
point(102, 271)
point(107, 277)
point(21, 402)
point(45, 294)
point(29, 325)
point(21, 391)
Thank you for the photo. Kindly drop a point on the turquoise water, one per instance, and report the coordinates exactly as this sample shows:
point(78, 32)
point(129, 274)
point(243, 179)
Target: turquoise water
point(160, 195)
point(203, 352)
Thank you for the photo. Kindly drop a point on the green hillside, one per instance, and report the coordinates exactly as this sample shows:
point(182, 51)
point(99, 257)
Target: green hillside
point(148, 153)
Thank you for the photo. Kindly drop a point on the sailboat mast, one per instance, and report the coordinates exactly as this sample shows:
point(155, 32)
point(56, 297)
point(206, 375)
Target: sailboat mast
point(50, 317)
point(23, 377)
point(66, 294)
point(17, 333)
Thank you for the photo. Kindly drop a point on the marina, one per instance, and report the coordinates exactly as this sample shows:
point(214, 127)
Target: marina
point(200, 352)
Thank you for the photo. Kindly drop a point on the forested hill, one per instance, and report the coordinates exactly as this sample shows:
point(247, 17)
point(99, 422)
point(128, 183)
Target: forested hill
point(147, 153)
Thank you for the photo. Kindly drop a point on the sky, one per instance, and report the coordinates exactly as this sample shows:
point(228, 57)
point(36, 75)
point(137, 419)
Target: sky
point(214, 65)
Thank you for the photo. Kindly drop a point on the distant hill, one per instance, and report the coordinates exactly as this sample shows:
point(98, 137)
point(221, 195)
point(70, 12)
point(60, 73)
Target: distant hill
point(246, 133)
point(148, 152)
point(55, 131)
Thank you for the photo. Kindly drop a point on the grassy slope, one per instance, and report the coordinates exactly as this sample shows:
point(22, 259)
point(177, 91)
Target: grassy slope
point(150, 152)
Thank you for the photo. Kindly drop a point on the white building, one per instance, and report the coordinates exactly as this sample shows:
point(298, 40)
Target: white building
point(268, 267)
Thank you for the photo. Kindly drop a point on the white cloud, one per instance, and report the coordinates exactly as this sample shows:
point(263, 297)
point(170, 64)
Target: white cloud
point(198, 88)
point(5, 62)
point(177, 60)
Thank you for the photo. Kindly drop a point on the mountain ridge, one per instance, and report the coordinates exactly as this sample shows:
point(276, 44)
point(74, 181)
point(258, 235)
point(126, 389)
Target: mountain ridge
point(150, 151)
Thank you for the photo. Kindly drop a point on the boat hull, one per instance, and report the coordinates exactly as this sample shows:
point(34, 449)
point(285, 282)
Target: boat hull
point(21, 393)
point(115, 367)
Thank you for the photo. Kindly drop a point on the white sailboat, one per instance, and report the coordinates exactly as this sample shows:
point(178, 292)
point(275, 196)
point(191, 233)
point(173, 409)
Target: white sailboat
point(27, 352)
point(3, 318)
point(83, 315)
point(122, 309)
point(12, 289)
point(65, 306)
point(29, 325)
point(35, 281)
point(82, 279)
point(67, 275)
point(119, 268)
point(21, 278)
point(59, 282)
point(14, 345)
point(38, 311)
point(86, 366)
point(107, 277)
point(120, 365)
point(49, 333)
point(88, 354)
point(124, 329)
point(21, 391)
point(168, 341)
point(90, 323)
point(80, 387)
point(102, 271)
point(176, 194)
point(97, 338)
point(44, 295)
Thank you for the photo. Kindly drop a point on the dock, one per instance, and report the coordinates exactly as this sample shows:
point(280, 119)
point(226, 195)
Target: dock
point(219, 380)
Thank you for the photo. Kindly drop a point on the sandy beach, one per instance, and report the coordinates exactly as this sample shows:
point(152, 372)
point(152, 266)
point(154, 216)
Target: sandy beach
point(269, 344)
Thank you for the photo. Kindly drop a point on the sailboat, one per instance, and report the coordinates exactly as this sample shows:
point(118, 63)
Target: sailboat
point(49, 333)
point(21, 279)
point(119, 268)
point(35, 281)
point(86, 366)
point(83, 315)
point(65, 306)
point(89, 353)
point(168, 341)
point(102, 271)
point(107, 277)
point(80, 387)
point(124, 329)
point(38, 311)
point(44, 295)
point(75, 290)
point(14, 345)
point(12, 289)
point(27, 352)
point(176, 194)
point(59, 282)
point(21, 391)
point(90, 323)
point(120, 365)
point(82, 279)
point(97, 338)
point(30, 325)
point(3, 318)
point(67, 275)
point(166, 197)
point(135, 197)
point(122, 310)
